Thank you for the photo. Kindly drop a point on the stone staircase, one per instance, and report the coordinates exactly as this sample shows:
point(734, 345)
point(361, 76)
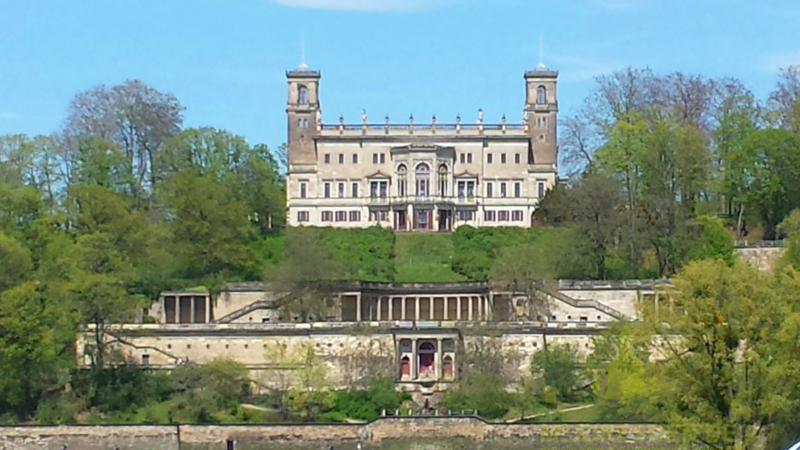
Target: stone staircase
point(575, 303)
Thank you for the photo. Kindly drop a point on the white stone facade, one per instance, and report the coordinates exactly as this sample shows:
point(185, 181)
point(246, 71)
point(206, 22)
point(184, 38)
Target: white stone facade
point(415, 176)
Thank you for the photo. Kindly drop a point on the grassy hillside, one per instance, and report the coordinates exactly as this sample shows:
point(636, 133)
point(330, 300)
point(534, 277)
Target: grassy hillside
point(424, 257)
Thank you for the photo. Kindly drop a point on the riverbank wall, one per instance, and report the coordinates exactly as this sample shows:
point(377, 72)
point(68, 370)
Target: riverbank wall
point(406, 433)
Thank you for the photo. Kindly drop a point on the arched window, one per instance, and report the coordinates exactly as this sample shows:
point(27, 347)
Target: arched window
point(427, 362)
point(442, 181)
point(402, 175)
point(541, 95)
point(302, 95)
point(405, 367)
point(447, 367)
point(423, 180)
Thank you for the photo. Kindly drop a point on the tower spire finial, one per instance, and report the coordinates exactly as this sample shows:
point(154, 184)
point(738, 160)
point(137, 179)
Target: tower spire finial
point(303, 66)
point(541, 65)
point(541, 49)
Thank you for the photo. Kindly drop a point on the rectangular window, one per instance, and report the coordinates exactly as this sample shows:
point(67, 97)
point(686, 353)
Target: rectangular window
point(469, 158)
point(303, 190)
point(462, 189)
point(516, 216)
point(489, 216)
point(355, 216)
point(489, 190)
point(502, 190)
point(327, 216)
point(327, 158)
point(463, 158)
point(378, 216)
point(502, 158)
point(488, 158)
point(470, 189)
point(466, 215)
point(302, 216)
point(327, 190)
point(341, 190)
point(341, 158)
point(145, 360)
point(355, 158)
point(354, 190)
point(341, 216)
point(517, 158)
point(378, 189)
point(502, 216)
point(541, 190)
point(374, 158)
point(517, 189)
point(383, 158)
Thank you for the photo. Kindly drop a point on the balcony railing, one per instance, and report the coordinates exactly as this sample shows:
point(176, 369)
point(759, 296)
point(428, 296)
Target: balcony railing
point(397, 199)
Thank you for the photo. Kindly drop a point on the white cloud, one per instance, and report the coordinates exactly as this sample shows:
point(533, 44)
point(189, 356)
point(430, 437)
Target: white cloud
point(365, 5)
point(775, 62)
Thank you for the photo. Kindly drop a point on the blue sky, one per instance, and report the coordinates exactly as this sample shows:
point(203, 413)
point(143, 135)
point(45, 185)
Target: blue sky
point(225, 59)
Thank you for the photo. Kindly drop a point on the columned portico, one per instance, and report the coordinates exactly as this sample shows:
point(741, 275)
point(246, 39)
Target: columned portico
point(425, 307)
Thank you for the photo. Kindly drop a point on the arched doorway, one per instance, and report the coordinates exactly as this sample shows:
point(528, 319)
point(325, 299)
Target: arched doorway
point(427, 359)
point(405, 367)
point(447, 367)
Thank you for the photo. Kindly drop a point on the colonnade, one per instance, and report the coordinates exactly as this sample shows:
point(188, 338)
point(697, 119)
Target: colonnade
point(449, 308)
point(188, 308)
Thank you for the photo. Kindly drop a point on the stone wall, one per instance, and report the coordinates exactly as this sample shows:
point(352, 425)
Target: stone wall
point(383, 433)
point(90, 437)
point(763, 258)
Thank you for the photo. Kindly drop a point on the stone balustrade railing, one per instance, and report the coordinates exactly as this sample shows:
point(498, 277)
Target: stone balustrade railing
point(760, 244)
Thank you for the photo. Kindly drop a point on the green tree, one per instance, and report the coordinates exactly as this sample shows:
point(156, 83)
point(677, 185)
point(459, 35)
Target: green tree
point(558, 368)
point(486, 369)
point(775, 187)
point(209, 226)
point(311, 394)
point(29, 360)
point(523, 270)
point(308, 279)
point(714, 242)
point(15, 262)
point(726, 343)
point(96, 275)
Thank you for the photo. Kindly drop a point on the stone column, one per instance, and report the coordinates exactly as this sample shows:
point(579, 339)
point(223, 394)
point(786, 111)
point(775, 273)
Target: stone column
point(358, 307)
point(458, 308)
point(414, 358)
point(446, 306)
point(390, 301)
point(403, 306)
point(409, 216)
point(191, 312)
point(438, 359)
point(430, 307)
point(397, 364)
point(208, 308)
point(471, 317)
point(480, 307)
point(416, 313)
point(656, 303)
point(378, 316)
point(491, 304)
point(163, 318)
point(435, 221)
point(177, 309)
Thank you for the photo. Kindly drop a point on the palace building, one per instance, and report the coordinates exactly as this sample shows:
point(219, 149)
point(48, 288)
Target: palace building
point(419, 176)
